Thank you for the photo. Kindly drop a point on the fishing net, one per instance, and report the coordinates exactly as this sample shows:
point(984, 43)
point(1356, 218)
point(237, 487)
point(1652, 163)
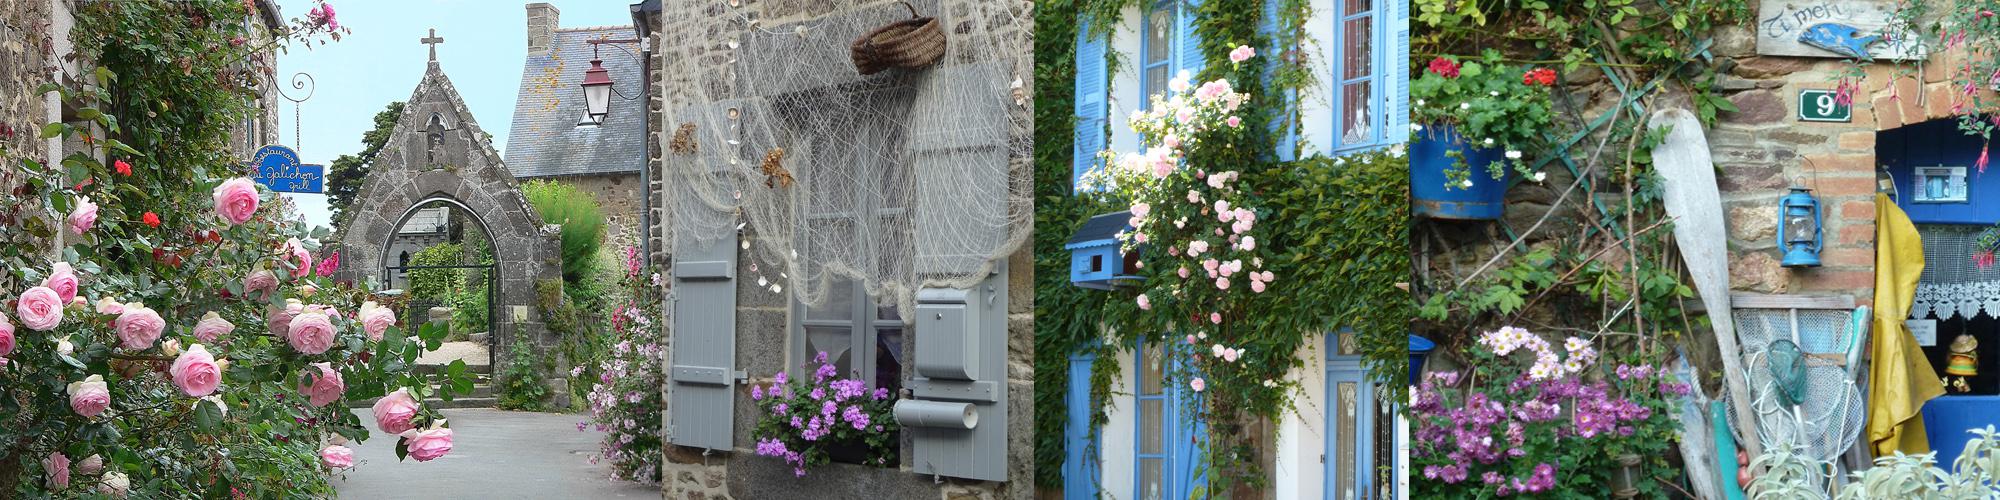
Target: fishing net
point(1801, 385)
point(1953, 284)
point(903, 179)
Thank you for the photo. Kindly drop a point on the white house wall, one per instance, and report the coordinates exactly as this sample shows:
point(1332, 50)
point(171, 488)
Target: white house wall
point(1315, 102)
point(1302, 432)
point(1125, 92)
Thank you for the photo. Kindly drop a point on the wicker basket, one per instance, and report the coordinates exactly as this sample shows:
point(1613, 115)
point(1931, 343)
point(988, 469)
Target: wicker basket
point(910, 43)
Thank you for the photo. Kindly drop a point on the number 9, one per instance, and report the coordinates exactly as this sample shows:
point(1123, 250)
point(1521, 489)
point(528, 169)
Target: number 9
point(1826, 104)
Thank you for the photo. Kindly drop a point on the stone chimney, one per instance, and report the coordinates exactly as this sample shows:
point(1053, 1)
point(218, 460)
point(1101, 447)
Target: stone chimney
point(543, 19)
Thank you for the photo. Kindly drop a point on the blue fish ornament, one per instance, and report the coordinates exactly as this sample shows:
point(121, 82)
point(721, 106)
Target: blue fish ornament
point(1839, 39)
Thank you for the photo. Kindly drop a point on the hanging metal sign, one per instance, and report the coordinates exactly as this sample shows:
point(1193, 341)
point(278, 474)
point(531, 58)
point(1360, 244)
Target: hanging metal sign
point(278, 168)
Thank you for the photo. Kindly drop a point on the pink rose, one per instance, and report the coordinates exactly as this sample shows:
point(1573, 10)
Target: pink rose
point(297, 255)
point(279, 319)
point(336, 457)
point(1234, 121)
point(138, 326)
point(90, 465)
point(394, 411)
point(322, 386)
point(310, 332)
point(212, 327)
point(62, 279)
point(6, 336)
point(1197, 384)
point(260, 281)
point(109, 305)
point(195, 372)
point(1145, 304)
point(83, 216)
point(1257, 286)
point(427, 445)
point(57, 466)
point(90, 396)
point(41, 308)
point(376, 319)
point(1215, 318)
point(1242, 53)
point(236, 200)
point(116, 484)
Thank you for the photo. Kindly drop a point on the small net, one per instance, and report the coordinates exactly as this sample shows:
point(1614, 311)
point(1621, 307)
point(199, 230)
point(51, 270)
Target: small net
point(1824, 417)
point(903, 179)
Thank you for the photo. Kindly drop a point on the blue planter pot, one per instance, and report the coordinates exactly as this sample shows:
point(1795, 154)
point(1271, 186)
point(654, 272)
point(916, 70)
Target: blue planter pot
point(1419, 349)
point(1429, 158)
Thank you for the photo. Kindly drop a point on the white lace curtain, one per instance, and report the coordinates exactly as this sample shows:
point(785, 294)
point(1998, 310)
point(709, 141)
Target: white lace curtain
point(1952, 285)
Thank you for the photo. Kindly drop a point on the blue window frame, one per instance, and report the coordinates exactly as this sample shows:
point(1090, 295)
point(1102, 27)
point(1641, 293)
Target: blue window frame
point(1370, 73)
point(1350, 422)
point(1080, 468)
point(1157, 30)
point(1167, 441)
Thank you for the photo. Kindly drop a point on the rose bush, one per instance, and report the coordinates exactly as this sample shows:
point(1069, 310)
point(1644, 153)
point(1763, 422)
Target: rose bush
point(625, 402)
point(112, 269)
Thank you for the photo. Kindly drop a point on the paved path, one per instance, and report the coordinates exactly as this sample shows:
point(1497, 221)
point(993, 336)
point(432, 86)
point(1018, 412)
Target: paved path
point(495, 455)
point(474, 353)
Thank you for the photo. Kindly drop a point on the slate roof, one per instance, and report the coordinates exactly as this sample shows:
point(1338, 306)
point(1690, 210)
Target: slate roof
point(545, 141)
point(1099, 229)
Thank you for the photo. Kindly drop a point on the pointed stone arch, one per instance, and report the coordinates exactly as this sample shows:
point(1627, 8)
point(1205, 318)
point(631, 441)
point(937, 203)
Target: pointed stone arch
point(437, 152)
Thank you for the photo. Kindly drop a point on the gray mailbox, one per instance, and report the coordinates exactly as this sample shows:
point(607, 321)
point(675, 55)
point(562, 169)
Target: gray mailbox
point(957, 411)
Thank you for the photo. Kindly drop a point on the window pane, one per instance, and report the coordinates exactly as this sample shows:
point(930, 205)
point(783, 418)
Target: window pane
point(1151, 439)
point(1156, 84)
point(1354, 98)
point(1151, 371)
point(1355, 7)
point(889, 358)
point(839, 301)
point(1159, 34)
point(1150, 474)
point(1344, 436)
point(835, 341)
point(1357, 56)
point(888, 312)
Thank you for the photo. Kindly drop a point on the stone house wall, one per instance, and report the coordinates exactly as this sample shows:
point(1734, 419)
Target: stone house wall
point(25, 54)
point(698, 39)
point(618, 196)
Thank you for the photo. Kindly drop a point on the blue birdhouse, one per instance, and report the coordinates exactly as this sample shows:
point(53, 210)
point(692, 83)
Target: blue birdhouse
point(1097, 259)
point(1799, 228)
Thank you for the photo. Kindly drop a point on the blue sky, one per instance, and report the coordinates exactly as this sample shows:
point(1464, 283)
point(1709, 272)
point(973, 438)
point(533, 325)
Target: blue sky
point(381, 61)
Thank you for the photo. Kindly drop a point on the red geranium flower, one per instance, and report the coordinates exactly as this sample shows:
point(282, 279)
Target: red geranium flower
point(151, 219)
point(1444, 67)
point(124, 169)
point(1539, 76)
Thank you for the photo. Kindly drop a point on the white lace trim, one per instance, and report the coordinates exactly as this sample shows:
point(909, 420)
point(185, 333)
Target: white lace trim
point(1965, 299)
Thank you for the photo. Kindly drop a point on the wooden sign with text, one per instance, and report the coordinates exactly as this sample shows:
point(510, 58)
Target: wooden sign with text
point(1848, 29)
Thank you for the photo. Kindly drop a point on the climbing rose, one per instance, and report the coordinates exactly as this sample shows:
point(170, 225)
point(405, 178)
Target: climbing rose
point(151, 219)
point(376, 319)
point(41, 309)
point(322, 387)
point(236, 200)
point(310, 332)
point(336, 457)
point(260, 281)
point(329, 265)
point(109, 305)
point(90, 396)
point(394, 411)
point(57, 466)
point(212, 327)
point(124, 169)
point(6, 336)
point(62, 279)
point(280, 318)
point(115, 484)
point(138, 326)
point(1242, 53)
point(1197, 384)
point(1145, 304)
point(428, 445)
point(90, 465)
point(195, 372)
point(83, 216)
point(1444, 67)
point(296, 253)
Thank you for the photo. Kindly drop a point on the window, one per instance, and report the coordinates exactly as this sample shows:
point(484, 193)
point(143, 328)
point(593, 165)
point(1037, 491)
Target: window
point(1370, 73)
point(862, 338)
point(1168, 441)
point(1156, 52)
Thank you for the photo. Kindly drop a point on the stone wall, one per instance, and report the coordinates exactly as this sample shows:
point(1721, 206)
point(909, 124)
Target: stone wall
point(26, 48)
point(697, 53)
point(618, 196)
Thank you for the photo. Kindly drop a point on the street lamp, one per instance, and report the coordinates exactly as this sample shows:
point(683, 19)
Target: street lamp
point(596, 92)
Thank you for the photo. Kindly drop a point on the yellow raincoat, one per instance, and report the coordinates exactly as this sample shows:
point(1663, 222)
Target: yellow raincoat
point(1901, 379)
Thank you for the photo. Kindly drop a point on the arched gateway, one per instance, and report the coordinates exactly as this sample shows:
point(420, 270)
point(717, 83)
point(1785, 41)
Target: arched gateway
point(437, 153)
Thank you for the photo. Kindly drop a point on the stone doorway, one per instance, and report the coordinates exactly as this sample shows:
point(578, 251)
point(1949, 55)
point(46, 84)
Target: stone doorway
point(442, 257)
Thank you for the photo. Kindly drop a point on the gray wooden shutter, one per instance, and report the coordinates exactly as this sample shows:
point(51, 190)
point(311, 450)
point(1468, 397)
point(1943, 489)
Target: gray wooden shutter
point(703, 368)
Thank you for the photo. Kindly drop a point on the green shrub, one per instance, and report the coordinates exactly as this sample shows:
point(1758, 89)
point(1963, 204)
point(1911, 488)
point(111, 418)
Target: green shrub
point(522, 381)
point(435, 284)
point(581, 219)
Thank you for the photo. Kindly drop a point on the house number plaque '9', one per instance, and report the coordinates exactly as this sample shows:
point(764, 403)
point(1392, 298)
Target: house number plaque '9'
point(1823, 106)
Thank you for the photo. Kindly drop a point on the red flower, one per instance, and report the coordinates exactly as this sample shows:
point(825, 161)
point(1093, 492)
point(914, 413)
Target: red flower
point(1539, 76)
point(124, 169)
point(151, 219)
point(1444, 67)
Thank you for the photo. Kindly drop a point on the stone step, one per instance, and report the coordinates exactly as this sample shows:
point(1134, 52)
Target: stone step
point(480, 397)
point(481, 369)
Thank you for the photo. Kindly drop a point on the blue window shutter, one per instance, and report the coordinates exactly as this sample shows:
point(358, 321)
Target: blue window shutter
point(1080, 476)
point(1396, 71)
point(1187, 43)
point(1092, 82)
point(1190, 439)
point(703, 374)
point(1284, 125)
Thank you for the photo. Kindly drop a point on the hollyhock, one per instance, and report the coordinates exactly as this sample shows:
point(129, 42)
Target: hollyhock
point(195, 372)
point(83, 216)
point(394, 411)
point(295, 253)
point(336, 457)
point(90, 396)
point(212, 327)
point(236, 200)
point(310, 332)
point(40, 308)
point(138, 326)
point(62, 279)
point(323, 385)
point(427, 445)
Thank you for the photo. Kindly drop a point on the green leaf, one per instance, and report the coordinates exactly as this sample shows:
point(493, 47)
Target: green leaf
point(52, 130)
point(207, 416)
point(402, 449)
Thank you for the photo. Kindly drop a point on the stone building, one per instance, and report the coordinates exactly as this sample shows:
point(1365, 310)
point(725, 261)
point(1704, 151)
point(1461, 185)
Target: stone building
point(552, 138)
point(804, 207)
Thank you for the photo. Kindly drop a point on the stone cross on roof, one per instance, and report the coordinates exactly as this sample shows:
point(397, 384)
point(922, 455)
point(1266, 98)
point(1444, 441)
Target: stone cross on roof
point(432, 41)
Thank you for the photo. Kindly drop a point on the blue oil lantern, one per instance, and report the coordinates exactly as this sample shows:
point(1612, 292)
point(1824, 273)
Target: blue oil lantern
point(1799, 228)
